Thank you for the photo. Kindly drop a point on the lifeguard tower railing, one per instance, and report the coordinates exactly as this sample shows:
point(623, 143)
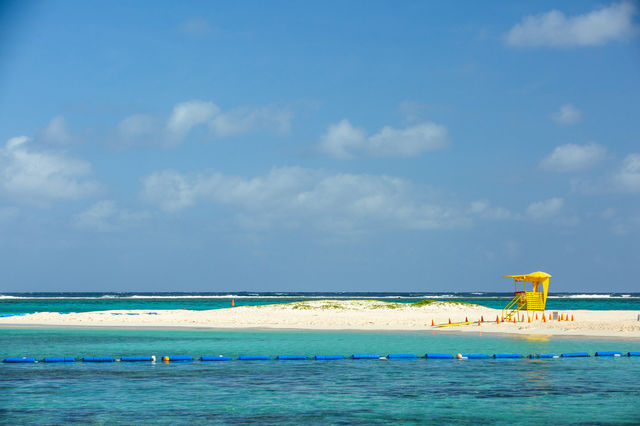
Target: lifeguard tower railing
point(524, 300)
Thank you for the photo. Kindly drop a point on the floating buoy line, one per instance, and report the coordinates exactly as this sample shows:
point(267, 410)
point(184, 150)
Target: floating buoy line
point(218, 358)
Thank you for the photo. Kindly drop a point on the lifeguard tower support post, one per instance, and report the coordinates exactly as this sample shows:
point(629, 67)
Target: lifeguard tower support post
point(533, 300)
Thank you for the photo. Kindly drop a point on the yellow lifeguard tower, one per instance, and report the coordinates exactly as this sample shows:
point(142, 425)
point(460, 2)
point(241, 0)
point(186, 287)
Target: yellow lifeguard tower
point(534, 300)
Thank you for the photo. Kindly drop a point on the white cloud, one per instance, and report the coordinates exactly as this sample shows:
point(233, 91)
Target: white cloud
point(247, 120)
point(138, 129)
point(484, 209)
point(105, 216)
point(627, 178)
point(343, 140)
point(567, 115)
point(40, 177)
point(545, 209)
point(554, 29)
point(56, 131)
point(294, 196)
point(571, 157)
point(145, 129)
point(188, 114)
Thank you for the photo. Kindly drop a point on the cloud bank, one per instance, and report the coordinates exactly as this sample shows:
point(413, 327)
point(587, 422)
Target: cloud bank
point(149, 130)
point(40, 177)
point(294, 196)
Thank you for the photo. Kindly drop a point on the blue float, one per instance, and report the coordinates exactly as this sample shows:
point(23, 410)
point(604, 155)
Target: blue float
point(475, 356)
point(174, 358)
point(291, 357)
point(513, 355)
point(215, 358)
point(365, 356)
point(136, 358)
point(328, 357)
point(59, 359)
point(438, 356)
point(254, 358)
point(633, 353)
point(98, 359)
point(608, 353)
point(574, 355)
point(401, 356)
point(19, 360)
point(542, 356)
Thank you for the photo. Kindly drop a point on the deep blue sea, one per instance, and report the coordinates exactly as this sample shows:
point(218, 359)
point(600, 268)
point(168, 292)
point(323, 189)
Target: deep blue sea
point(593, 390)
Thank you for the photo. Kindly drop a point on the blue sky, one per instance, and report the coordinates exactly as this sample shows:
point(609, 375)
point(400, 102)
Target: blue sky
point(328, 146)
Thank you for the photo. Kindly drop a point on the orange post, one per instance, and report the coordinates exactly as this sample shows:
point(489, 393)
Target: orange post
point(536, 317)
point(449, 320)
point(497, 319)
point(482, 318)
point(571, 317)
point(528, 319)
point(433, 323)
point(478, 322)
point(544, 319)
point(466, 319)
point(514, 319)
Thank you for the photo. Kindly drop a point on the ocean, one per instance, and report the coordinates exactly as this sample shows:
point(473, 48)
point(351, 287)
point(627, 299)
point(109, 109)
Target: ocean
point(593, 390)
point(12, 303)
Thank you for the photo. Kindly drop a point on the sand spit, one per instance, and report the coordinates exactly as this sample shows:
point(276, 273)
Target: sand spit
point(349, 315)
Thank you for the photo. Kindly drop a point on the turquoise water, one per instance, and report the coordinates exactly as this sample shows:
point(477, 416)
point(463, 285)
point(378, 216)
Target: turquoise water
point(594, 390)
point(82, 302)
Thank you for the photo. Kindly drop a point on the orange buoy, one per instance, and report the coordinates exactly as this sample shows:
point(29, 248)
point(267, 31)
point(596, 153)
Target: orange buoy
point(233, 303)
point(497, 319)
point(478, 322)
point(571, 317)
point(165, 358)
point(433, 323)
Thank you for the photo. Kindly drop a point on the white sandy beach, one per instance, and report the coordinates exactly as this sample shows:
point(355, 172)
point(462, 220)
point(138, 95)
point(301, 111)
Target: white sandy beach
point(349, 315)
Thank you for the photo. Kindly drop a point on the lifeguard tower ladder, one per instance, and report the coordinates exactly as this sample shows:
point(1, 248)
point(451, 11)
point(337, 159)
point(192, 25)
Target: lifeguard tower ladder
point(534, 300)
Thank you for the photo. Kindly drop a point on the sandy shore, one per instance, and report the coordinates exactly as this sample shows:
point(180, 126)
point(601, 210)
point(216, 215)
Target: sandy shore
point(349, 315)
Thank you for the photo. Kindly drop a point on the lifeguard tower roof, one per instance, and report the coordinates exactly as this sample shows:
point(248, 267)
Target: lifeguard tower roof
point(532, 277)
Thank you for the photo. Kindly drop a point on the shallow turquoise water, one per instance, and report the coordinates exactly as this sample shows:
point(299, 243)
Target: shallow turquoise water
point(596, 390)
point(84, 302)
